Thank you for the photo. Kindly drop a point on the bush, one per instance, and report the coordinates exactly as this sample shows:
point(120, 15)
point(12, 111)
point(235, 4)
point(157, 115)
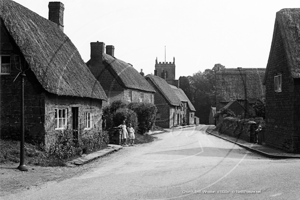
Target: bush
point(226, 112)
point(260, 108)
point(108, 113)
point(146, 114)
point(93, 141)
point(125, 114)
point(64, 146)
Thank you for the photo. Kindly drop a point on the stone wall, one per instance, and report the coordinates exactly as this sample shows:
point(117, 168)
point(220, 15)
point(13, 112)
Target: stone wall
point(239, 128)
point(235, 127)
point(84, 105)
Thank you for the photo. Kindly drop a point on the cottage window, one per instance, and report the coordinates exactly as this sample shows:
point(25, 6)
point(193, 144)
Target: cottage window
point(87, 120)
point(141, 97)
point(5, 64)
point(61, 116)
point(278, 83)
point(129, 96)
point(158, 116)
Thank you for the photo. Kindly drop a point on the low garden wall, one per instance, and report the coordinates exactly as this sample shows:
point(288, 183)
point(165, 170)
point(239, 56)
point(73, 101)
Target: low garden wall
point(238, 128)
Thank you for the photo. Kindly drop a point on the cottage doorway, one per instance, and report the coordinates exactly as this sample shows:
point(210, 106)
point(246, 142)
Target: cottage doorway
point(75, 124)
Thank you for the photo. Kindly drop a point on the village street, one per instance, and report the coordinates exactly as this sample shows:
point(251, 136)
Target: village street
point(183, 164)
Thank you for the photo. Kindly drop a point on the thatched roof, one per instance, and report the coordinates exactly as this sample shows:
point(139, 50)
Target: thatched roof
point(51, 55)
point(127, 75)
point(287, 24)
point(183, 98)
point(164, 89)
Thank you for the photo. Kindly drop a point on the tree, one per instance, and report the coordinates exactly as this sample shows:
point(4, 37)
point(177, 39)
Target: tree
point(200, 90)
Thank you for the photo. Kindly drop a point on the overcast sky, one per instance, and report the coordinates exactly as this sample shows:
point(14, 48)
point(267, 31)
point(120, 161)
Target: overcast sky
point(198, 33)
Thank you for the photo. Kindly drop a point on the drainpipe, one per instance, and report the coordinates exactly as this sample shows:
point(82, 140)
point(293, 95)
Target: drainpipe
point(22, 166)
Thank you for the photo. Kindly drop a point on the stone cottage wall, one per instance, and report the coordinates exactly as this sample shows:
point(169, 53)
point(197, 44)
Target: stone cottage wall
point(279, 105)
point(84, 105)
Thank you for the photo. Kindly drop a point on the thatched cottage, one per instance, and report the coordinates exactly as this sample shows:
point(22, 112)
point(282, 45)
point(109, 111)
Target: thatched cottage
point(118, 78)
point(60, 91)
point(282, 81)
point(167, 103)
point(187, 115)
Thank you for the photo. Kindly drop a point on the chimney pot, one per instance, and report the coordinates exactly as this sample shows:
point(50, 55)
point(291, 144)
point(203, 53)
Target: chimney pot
point(110, 50)
point(56, 13)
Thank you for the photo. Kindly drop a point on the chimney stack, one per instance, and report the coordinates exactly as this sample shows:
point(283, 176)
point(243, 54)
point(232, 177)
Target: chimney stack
point(56, 13)
point(142, 73)
point(97, 50)
point(110, 50)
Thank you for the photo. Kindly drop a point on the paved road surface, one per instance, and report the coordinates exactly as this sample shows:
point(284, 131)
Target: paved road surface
point(184, 164)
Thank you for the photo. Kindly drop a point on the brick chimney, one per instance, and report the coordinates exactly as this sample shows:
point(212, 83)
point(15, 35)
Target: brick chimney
point(110, 50)
point(56, 13)
point(142, 73)
point(97, 50)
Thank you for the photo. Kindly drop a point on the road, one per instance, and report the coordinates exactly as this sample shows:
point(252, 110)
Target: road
point(183, 164)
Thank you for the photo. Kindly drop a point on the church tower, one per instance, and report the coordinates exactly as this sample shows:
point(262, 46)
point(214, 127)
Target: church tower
point(166, 70)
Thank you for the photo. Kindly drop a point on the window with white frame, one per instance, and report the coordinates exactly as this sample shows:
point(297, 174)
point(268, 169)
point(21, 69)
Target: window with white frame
point(129, 96)
point(278, 83)
point(141, 96)
point(87, 120)
point(61, 118)
point(5, 64)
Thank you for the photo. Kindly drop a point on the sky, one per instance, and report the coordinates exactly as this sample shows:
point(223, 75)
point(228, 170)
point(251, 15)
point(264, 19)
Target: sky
point(198, 33)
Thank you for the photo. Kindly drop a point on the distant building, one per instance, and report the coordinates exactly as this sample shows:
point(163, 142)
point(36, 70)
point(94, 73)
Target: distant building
point(187, 114)
point(282, 81)
point(167, 103)
point(166, 70)
point(239, 84)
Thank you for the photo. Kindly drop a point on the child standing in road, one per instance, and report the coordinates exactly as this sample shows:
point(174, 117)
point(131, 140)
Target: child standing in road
point(124, 133)
point(131, 134)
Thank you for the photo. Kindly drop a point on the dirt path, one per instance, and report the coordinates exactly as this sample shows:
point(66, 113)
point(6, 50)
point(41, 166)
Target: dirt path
point(13, 181)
